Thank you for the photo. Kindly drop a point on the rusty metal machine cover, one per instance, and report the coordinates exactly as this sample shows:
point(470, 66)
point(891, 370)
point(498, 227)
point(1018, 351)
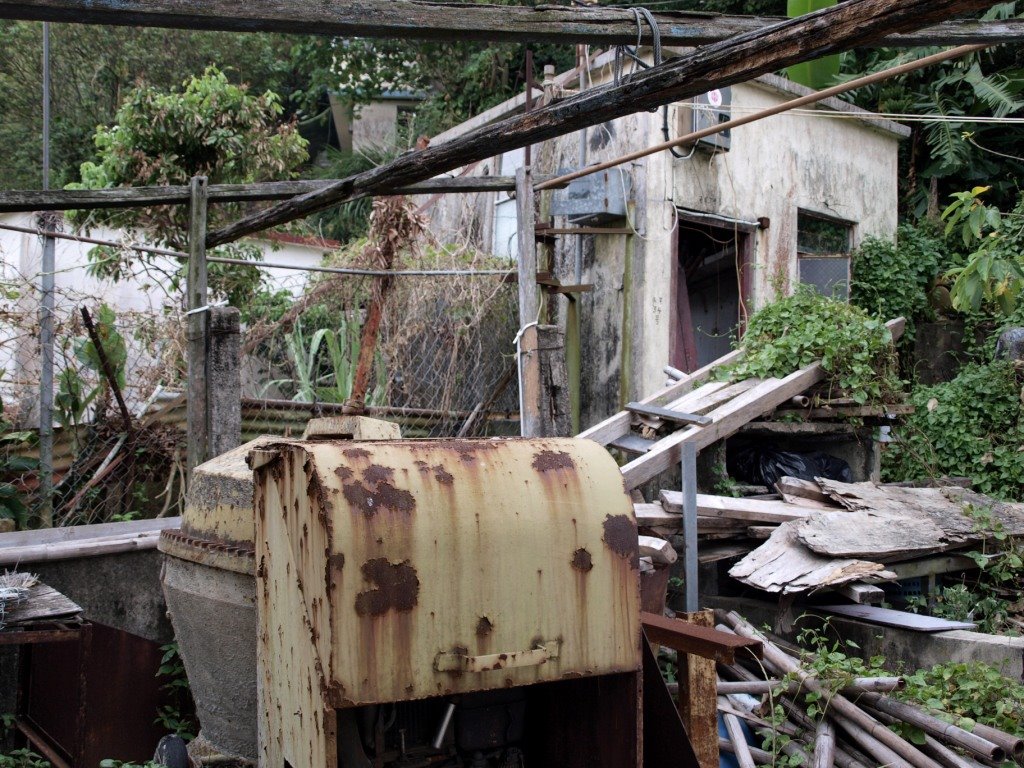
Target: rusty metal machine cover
point(399, 570)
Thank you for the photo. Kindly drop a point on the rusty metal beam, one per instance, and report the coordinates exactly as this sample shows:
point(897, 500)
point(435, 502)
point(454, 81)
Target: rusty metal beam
point(700, 641)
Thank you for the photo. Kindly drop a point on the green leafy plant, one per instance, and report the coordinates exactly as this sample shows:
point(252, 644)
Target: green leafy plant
point(993, 273)
point(324, 365)
point(23, 758)
point(209, 127)
point(971, 427)
point(894, 279)
point(992, 596)
point(973, 692)
point(177, 716)
point(855, 348)
point(12, 465)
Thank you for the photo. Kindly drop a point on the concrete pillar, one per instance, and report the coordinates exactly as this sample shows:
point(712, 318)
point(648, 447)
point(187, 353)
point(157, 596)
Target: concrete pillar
point(223, 381)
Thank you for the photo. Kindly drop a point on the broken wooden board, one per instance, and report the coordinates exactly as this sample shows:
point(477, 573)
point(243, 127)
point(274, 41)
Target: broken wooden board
point(807, 489)
point(751, 510)
point(667, 414)
point(42, 603)
point(901, 619)
point(729, 417)
point(861, 593)
point(881, 536)
point(783, 564)
point(891, 523)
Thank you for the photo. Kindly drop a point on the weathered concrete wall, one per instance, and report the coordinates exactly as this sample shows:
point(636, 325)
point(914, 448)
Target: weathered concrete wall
point(843, 168)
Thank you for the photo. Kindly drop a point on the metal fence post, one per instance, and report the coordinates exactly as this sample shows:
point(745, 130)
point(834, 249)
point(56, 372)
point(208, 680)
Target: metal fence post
point(46, 311)
point(197, 323)
point(689, 466)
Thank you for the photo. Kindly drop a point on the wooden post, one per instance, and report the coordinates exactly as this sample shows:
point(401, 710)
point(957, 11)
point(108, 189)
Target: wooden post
point(698, 691)
point(196, 323)
point(529, 308)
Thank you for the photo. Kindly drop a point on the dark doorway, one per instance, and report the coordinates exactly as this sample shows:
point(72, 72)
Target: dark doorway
point(711, 290)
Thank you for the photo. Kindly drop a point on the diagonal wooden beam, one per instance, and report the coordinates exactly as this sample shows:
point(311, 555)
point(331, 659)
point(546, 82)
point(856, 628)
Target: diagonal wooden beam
point(417, 19)
point(736, 60)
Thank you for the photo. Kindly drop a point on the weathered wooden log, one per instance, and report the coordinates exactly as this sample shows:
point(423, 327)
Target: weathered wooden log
point(947, 732)
point(451, 21)
point(856, 686)
point(824, 744)
point(735, 60)
point(932, 747)
point(740, 748)
point(760, 756)
point(842, 709)
point(1013, 745)
point(15, 201)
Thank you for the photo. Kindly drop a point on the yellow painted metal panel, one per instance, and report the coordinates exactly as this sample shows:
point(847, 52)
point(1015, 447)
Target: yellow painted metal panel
point(411, 553)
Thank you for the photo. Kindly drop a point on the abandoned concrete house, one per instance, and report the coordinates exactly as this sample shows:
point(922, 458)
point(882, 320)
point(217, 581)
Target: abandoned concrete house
point(699, 239)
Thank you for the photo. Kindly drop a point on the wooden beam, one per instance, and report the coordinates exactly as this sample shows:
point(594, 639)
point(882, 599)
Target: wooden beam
point(197, 422)
point(847, 25)
point(413, 19)
point(17, 201)
point(751, 510)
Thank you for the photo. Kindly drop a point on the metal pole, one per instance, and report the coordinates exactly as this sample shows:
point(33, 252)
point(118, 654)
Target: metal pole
point(46, 306)
point(689, 465)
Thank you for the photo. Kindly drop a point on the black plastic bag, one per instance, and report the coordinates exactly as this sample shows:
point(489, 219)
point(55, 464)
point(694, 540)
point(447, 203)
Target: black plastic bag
point(764, 466)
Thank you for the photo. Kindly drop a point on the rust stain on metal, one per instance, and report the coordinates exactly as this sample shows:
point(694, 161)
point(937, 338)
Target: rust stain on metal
point(620, 536)
point(376, 492)
point(551, 461)
point(397, 589)
point(442, 475)
point(356, 453)
point(376, 474)
point(582, 560)
point(484, 627)
point(344, 473)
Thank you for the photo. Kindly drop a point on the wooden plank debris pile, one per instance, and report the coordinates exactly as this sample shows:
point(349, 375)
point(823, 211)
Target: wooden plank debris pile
point(702, 410)
point(868, 529)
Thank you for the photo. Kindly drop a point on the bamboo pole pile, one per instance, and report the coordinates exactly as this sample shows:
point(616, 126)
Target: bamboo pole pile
point(852, 726)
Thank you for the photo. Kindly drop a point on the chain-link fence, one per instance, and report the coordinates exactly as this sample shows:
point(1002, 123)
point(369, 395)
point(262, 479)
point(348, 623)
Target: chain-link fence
point(441, 364)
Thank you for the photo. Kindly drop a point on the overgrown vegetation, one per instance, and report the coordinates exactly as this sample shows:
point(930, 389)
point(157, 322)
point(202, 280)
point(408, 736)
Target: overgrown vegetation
point(209, 127)
point(895, 279)
point(991, 596)
point(855, 348)
point(945, 156)
point(972, 426)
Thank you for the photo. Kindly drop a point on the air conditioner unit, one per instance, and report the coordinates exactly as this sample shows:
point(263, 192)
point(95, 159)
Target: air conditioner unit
point(595, 199)
point(704, 111)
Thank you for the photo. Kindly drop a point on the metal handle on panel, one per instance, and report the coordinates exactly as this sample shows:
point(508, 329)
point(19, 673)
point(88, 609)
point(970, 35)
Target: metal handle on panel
point(460, 662)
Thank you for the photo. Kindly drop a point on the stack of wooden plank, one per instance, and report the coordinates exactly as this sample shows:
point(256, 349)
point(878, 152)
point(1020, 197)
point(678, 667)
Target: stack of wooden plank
point(844, 537)
point(699, 410)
